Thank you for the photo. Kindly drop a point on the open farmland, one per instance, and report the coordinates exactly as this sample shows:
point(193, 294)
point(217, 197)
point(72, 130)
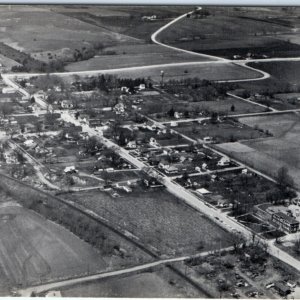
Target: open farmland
point(270, 154)
point(125, 19)
point(150, 283)
point(227, 32)
point(156, 218)
point(39, 31)
point(218, 72)
point(285, 72)
point(33, 249)
point(133, 55)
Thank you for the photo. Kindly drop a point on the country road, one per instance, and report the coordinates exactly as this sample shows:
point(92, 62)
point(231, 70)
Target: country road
point(156, 33)
point(27, 292)
point(197, 202)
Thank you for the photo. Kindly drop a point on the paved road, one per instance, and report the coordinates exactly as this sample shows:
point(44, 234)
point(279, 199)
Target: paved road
point(27, 292)
point(192, 200)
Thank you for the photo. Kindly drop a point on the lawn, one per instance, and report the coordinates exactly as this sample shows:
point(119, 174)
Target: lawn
point(157, 218)
point(33, 249)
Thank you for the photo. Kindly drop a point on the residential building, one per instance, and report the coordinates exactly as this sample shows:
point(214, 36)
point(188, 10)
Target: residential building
point(66, 104)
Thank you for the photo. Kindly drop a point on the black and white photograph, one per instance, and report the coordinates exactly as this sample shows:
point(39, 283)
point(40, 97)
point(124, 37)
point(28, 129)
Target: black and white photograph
point(149, 151)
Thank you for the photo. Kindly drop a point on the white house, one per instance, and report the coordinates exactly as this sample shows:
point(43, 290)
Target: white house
point(8, 90)
point(152, 142)
point(224, 161)
point(66, 104)
point(70, 169)
point(131, 145)
point(142, 86)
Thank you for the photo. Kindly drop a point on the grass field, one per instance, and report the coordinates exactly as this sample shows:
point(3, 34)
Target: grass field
point(216, 72)
point(149, 284)
point(34, 250)
point(285, 72)
point(125, 19)
point(270, 154)
point(35, 30)
point(284, 79)
point(229, 31)
point(157, 218)
point(133, 55)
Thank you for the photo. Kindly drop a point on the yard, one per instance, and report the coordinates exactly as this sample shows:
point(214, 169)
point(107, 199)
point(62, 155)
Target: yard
point(157, 218)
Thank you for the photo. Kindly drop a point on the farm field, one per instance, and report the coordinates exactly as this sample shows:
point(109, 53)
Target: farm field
point(284, 80)
point(149, 284)
point(278, 125)
point(227, 32)
point(36, 30)
point(270, 154)
point(285, 72)
point(34, 250)
point(162, 216)
point(218, 72)
point(133, 55)
point(125, 19)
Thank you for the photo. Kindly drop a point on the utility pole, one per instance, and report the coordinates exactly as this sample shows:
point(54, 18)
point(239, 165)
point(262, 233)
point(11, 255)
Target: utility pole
point(162, 74)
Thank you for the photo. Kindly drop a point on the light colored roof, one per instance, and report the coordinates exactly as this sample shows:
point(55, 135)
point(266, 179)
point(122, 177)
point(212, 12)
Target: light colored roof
point(203, 191)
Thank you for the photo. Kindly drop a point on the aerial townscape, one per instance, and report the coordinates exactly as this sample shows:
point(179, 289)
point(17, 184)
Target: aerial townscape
point(149, 151)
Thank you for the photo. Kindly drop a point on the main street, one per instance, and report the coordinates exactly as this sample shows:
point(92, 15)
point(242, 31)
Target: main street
point(195, 201)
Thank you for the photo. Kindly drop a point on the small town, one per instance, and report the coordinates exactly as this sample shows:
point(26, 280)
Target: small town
point(157, 163)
